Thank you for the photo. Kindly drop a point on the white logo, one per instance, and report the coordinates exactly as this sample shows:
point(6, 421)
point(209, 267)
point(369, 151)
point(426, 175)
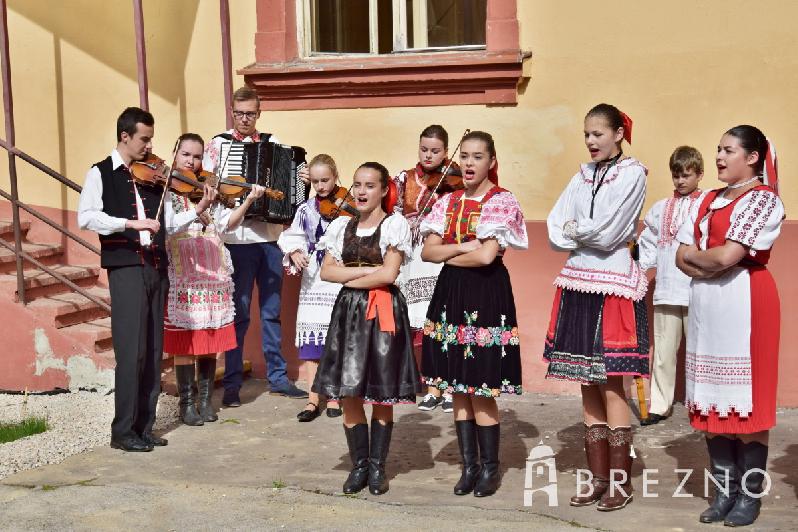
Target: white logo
point(541, 469)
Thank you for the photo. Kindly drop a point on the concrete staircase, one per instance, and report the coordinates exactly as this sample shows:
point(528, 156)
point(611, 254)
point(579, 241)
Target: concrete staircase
point(56, 325)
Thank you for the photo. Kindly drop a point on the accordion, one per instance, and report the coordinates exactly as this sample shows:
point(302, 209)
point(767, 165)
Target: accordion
point(270, 165)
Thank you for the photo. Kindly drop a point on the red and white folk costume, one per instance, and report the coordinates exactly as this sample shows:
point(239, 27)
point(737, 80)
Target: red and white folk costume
point(734, 321)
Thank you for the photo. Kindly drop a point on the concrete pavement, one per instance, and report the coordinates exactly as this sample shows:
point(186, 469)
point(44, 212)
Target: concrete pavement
point(258, 468)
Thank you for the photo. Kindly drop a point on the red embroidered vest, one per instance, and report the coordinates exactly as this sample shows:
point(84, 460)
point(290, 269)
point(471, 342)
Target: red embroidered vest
point(462, 216)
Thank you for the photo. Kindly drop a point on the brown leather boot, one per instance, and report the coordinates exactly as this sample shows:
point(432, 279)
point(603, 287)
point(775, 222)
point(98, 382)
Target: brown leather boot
point(619, 493)
point(597, 451)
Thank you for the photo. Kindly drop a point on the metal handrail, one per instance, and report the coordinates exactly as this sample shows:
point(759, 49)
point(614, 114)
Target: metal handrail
point(58, 276)
point(41, 166)
point(49, 222)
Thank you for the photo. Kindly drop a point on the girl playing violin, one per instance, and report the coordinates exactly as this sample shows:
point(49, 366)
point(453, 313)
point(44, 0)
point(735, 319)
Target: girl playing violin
point(417, 195)
point(368, 356)
point(316, 297)
point(199, 307)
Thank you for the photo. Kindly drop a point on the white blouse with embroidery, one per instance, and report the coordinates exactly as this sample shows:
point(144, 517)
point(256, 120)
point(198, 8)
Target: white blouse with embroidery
point(658, 247)
point(395, 233)
point(599, 260)
point(501, 218)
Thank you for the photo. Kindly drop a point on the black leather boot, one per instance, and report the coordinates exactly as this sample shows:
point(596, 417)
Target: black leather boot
point(184, 373)
point(469, 454)
point(380, 442)
point(206, 371)
point(357, 439)
point(488, 481)
point(723, 468)
point(752, 455)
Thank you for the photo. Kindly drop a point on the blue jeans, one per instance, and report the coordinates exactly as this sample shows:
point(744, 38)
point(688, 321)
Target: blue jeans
point(260, 263)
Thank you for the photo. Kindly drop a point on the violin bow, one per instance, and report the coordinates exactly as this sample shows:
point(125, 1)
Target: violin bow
point(165, 190)
point(423, 212)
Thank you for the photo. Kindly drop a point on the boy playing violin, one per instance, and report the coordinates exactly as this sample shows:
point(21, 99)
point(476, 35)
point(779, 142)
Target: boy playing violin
point(133, 251)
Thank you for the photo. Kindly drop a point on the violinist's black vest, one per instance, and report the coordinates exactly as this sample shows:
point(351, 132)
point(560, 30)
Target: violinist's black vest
point(119, 200)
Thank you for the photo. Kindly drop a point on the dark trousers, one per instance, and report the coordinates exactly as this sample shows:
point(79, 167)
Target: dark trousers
point(260, 263)
point(138, 295)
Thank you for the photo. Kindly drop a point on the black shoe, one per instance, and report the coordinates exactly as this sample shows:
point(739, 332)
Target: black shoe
point(334, 412)
point(289, 390)
point(206, 372)
point(309, 415)
point(357, 439)
point(723, 468)
point(430, 402)
point(378, 456)
point(652, 419)
point(488, 481)
point(151, 439)
point(131, 444)
point(230, 398)
point(751, 455)
point(469, 454)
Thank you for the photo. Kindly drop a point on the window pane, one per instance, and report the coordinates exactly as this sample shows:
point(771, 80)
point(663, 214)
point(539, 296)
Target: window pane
point(384, 26)
point(341, 26)
point(456, 22)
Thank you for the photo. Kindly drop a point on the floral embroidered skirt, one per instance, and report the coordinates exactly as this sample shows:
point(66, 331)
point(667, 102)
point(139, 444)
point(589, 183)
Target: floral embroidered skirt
point(360, 360)
point(591, 336)
point(471, 342)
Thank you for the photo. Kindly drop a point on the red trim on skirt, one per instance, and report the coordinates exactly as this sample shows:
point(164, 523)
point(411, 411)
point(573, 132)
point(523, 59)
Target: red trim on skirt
point(765, 329)
point(183, 342)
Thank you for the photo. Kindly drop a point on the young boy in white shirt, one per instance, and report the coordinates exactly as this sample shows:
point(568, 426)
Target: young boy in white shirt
point(672, 293)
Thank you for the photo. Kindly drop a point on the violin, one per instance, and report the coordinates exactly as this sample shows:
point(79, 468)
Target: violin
point(339, 202)
point(153, 171)
point(233, 187)
point(453, 180)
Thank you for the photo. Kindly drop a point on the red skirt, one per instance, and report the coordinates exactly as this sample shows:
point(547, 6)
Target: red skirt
point(765, 330)
point(183, 342)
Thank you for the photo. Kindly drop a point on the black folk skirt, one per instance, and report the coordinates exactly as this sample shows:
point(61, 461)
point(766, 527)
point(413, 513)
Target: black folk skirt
point(471, 343)
point(360, 360)
point(593, 336)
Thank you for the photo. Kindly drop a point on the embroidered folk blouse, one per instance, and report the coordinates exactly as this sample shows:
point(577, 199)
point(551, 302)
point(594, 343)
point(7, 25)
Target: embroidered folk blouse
point(599, 260)
point(658, 247)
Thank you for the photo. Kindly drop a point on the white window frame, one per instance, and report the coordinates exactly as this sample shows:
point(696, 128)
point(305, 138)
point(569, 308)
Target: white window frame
point(305, 31)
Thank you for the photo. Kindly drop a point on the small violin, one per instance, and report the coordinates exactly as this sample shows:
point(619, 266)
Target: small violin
point(339, 202)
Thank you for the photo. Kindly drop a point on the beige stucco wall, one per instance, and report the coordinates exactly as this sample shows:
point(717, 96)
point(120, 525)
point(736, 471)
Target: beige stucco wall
point(74, 69)
point(685, 71)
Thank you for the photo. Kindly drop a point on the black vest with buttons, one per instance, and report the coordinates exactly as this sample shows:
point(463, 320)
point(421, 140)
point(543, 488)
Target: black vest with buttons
point(119, 200)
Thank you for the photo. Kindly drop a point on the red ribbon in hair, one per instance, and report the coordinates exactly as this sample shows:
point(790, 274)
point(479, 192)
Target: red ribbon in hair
point(493, 174)
point(390, 199)
point(627, 127)
point(771, 167)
